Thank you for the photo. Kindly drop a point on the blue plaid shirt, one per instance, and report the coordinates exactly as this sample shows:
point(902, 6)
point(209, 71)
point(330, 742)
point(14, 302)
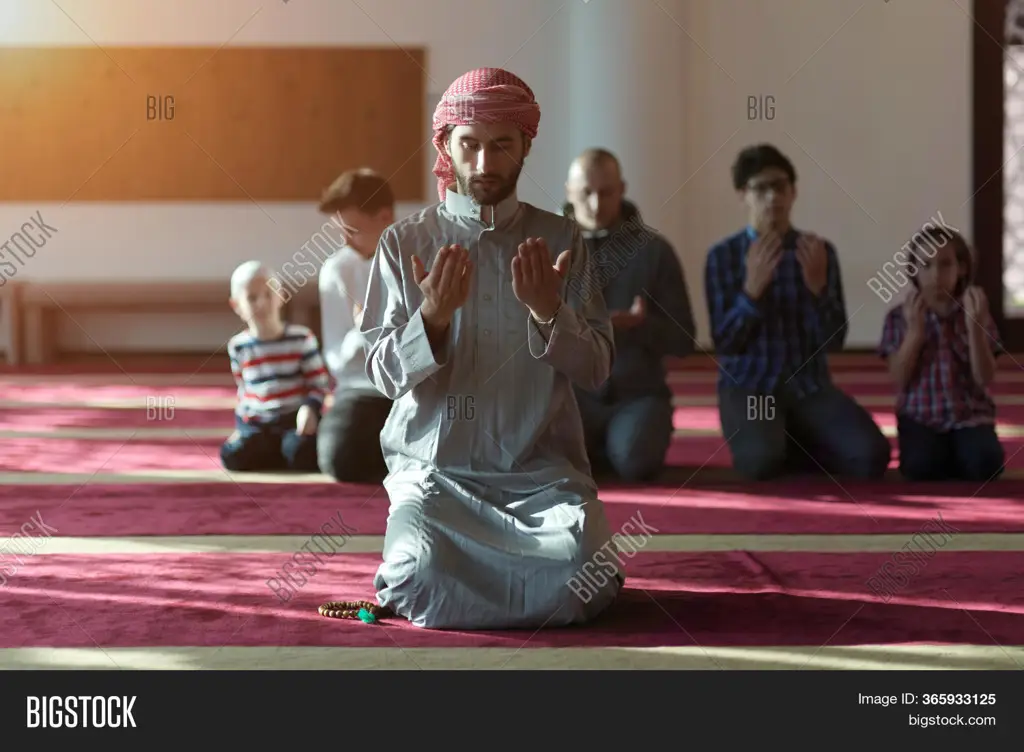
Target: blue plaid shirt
point(782, 340)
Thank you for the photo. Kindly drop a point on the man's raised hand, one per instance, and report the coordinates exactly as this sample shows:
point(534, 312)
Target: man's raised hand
point(446, 286)
point(631, 318)
point(813, 258)
point(762, 259)
point(537, 283)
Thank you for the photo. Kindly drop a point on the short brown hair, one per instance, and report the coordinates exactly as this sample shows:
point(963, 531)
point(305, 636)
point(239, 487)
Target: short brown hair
point(925, 244)
point(363, 189)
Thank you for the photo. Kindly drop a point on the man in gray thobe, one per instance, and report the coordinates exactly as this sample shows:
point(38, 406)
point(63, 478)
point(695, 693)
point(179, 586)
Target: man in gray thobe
point(473, 331)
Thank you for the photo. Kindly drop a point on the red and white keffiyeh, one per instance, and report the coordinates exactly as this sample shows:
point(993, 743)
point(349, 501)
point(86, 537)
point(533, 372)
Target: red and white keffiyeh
point(484, 95)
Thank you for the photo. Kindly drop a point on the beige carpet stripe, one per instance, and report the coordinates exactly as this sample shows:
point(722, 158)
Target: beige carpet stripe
point(373, 544)
point(769, 658)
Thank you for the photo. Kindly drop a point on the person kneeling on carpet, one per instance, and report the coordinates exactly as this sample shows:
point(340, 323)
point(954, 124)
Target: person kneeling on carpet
point(628, 421)
point(941, 345)
point(775, 300)
point(478, 334)
point(281, 381)
point(348, 441)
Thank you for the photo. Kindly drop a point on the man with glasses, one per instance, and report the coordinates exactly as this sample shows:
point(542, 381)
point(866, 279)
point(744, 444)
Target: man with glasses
point(775, 302)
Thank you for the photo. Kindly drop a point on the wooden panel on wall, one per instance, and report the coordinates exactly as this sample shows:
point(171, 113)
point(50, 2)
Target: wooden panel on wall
point(202, 124)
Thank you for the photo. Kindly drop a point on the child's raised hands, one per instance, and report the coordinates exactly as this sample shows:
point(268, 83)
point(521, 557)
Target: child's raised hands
point(914, 310)
point(976, 305)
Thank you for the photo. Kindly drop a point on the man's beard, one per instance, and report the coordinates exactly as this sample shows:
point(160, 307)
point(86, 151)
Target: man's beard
point(491, 195)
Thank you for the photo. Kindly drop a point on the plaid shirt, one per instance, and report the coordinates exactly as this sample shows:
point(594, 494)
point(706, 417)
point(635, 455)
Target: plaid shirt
point(942, 394)
point(782, 340)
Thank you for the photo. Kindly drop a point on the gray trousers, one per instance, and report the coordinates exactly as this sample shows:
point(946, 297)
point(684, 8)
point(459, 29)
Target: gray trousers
point(627, 437)
point(348, 438)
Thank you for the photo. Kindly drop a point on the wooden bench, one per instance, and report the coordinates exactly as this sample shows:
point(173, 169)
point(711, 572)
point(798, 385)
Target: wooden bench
point(42, 304)
point(10, 322)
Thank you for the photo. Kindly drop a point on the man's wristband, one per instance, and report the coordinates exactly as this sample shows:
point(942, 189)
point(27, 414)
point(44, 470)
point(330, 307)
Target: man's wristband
point(551, 320)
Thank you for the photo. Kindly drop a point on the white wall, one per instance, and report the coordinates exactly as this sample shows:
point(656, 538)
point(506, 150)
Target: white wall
point(873, 107)
point(872, 104)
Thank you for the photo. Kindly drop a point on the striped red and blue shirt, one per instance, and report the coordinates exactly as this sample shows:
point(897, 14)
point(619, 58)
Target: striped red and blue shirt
point(942, 394)
point(276, 377)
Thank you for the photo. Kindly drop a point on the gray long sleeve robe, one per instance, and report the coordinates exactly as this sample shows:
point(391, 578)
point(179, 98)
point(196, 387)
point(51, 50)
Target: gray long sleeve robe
point(494, 514)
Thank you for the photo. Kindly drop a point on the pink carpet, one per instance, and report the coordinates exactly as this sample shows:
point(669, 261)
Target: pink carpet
point(704, 599)
point(38, 455)
point(140, 366)
point(815, 506)
point(43, 393)
point(40, 419)
point(711, 599)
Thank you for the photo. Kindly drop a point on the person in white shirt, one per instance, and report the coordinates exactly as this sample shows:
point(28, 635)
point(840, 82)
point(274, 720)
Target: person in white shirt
point(348, 440)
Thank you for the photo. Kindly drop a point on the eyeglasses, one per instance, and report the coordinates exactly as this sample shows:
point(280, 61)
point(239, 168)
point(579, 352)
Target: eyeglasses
point(768, 186)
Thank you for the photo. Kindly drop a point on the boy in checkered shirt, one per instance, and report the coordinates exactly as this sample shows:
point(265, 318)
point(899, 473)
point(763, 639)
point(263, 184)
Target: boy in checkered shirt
point(941, 345)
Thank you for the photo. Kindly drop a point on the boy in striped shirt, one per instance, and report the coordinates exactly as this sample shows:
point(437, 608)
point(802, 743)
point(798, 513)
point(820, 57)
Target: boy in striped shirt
point(281, 381)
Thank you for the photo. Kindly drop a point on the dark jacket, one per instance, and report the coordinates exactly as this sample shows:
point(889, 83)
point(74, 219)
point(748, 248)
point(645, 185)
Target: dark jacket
point(630, 260)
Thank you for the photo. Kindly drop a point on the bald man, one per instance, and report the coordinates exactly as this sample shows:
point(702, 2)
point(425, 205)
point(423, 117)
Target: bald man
point(628, 421)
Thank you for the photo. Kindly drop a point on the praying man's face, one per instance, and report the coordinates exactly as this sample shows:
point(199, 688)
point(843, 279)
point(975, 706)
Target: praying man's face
point(487, 160)
point(769, 196)
point(258, 304)
point(595, 189)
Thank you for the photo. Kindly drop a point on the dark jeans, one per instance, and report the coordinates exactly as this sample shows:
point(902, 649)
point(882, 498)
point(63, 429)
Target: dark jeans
point(349, 438)
point(769, 435)
point(267, 447)
point(628, 437)
point(963, 454)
